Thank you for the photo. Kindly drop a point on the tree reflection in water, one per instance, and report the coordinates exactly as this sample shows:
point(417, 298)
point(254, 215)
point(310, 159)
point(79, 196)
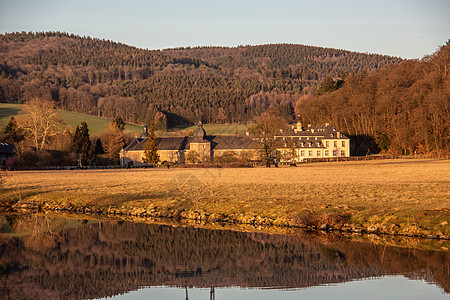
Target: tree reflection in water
point(44, 257)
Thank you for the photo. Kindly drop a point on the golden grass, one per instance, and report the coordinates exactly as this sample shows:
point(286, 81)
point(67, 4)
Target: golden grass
point(411, 194)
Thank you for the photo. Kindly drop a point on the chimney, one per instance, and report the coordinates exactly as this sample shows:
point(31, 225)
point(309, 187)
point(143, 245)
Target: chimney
point(327, 124)
point(299, 126)
point(309, 125)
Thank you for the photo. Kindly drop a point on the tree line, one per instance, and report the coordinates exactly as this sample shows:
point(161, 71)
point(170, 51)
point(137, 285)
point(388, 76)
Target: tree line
point(106, 78)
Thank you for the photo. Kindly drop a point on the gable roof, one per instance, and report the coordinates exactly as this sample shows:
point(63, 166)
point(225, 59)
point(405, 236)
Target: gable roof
point(229, 142)
point(220, 142)
point(326, 132)
point(162, 143)
point(6, 148)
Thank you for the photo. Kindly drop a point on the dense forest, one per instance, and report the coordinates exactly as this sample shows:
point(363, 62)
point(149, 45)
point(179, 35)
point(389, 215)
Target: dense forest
point(57, 258)
point(173, 86)
point(402, 108)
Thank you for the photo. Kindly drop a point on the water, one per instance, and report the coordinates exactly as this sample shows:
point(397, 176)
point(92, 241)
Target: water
point(386, 288)
point(56, 258)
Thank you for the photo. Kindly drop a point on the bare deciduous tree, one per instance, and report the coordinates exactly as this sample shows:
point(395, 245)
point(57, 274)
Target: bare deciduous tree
point(112, 141)
point(264, 130)
point(40, 122)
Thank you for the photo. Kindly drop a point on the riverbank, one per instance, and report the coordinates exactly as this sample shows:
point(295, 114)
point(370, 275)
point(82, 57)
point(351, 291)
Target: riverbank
point(387, 197)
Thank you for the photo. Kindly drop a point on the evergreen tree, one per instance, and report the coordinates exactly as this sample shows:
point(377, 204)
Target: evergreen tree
point(12, 134)
point(151, 155)
point(119, 122)
point(81, 143)
point(99, 147)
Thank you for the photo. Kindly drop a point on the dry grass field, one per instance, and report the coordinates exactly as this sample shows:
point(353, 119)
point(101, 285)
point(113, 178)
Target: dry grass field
point(393, 196)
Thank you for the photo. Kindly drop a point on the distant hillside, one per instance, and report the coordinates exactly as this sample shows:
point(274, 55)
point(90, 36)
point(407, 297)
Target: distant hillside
point(171, 87)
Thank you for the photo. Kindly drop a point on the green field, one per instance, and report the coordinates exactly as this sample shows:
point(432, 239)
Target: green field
point(97, 125)
point(7, 111)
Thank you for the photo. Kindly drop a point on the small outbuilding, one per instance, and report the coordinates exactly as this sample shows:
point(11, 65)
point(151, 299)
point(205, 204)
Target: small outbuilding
point(8, 155)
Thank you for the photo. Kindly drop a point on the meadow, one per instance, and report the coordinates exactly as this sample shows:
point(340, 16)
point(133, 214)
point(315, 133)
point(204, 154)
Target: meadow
point(409, 197)
point(97, 125)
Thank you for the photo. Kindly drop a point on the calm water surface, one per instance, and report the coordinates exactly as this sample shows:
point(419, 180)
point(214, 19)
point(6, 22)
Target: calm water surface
point(386, 288)
point(55, 258)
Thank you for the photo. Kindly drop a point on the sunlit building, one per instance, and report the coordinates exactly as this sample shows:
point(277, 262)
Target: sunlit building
point(293, 145)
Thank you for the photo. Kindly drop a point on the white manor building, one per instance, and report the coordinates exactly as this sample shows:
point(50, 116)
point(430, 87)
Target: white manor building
point(313, 142)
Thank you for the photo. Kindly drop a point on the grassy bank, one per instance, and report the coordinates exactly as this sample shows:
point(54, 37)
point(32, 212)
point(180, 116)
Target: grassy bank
point(390, 196)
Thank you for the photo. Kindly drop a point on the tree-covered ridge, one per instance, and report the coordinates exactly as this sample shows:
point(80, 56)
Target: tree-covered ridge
point(403, 108)
point(79, 51)
point(96, 76)
point(294, 61)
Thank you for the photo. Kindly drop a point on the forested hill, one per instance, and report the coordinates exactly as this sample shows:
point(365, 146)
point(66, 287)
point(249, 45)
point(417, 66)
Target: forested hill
point(212, 84)
point(403, 108)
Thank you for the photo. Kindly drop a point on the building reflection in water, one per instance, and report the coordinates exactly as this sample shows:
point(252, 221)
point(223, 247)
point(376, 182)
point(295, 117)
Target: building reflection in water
point(45, 257)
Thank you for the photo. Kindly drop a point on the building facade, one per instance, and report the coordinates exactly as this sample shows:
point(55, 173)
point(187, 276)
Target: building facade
point(292, 145)
point(300, 143)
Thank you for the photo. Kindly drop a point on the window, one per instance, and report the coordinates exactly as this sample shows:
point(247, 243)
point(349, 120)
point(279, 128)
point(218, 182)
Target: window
point(335, 143)
point(318, 152)
point(310, 153)
point(302, 153)
point(334, 153)
point(327, 144)
point(327, 153)
point(343, 143)
point(342, 153)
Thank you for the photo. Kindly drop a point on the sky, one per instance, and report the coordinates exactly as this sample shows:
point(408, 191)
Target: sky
point(404, 28)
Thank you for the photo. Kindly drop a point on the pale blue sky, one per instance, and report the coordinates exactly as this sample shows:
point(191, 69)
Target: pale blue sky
point(405, 28)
